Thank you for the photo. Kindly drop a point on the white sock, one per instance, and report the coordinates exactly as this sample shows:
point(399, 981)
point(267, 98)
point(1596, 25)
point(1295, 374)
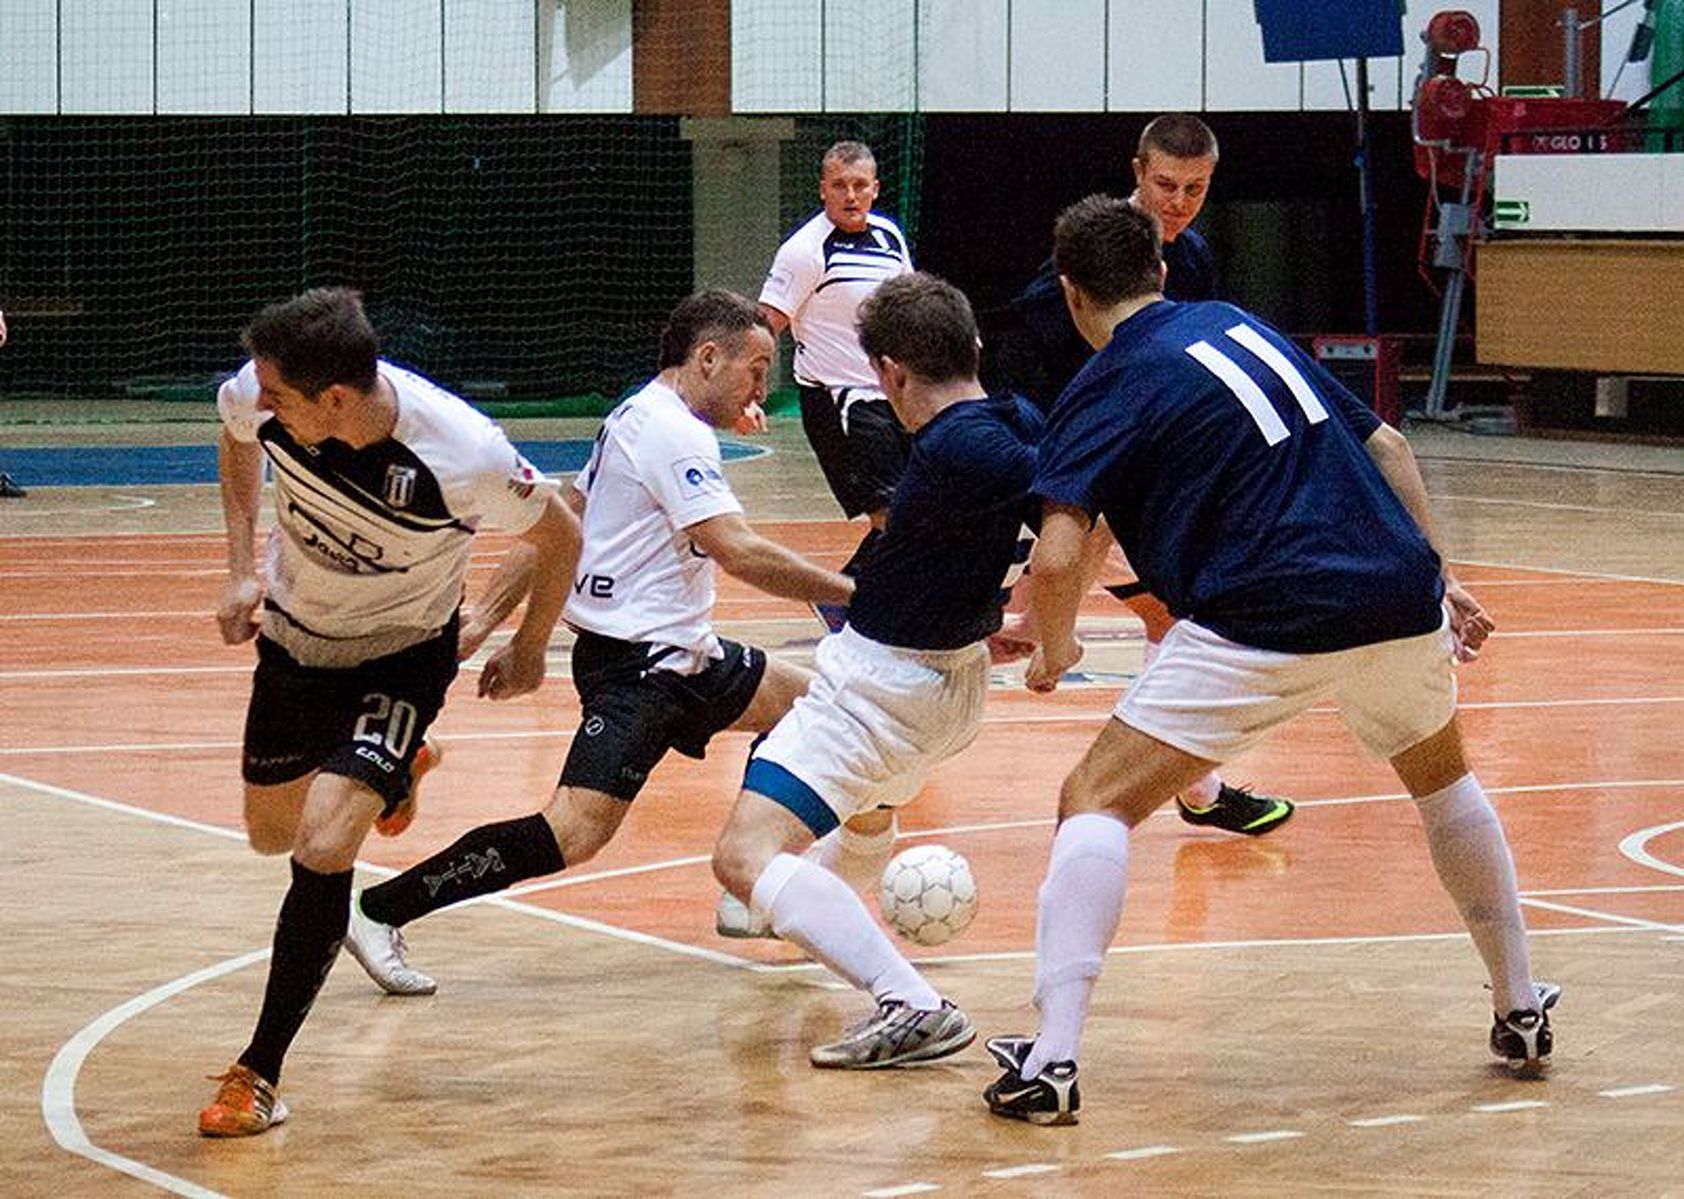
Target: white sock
point(1204, 792)
point(1081, 903)
point(855, 858)
point(814, 909)
point(1472, 858)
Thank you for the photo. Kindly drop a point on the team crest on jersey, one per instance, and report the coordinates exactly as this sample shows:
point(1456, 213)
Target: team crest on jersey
point(400, 486)
point(698, 476)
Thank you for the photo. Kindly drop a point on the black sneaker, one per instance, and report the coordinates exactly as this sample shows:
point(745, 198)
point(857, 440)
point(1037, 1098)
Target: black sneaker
point(1052, 1097)
point(1523, 1037)
point(1239, 811)
point(9, 488)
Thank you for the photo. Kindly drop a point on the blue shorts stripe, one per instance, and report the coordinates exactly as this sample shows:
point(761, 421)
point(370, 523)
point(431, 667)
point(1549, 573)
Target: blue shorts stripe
point(782, 787)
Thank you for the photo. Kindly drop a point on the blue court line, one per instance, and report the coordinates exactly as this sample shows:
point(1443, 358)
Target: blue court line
point(141, 465)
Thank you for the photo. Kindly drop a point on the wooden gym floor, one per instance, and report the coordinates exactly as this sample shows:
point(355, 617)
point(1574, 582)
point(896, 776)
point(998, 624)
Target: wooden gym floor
point(1292, 1015)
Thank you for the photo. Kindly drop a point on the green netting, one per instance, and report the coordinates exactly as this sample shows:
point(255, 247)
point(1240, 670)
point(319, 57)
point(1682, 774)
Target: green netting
point(512, 256)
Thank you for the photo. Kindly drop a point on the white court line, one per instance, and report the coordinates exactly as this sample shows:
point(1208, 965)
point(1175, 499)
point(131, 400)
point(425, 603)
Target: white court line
point(1024, 1171)
point(1636, 847)
point(1653, 1088)
point(910, 1188)
point(1651, 889)
point(58, 1089)
point(130, 503)
point(1568, 909)
point(1263, 1138)
point(1141, 1154)
point(1385, 1121)
point(1513, 1105)
point(1544, 505)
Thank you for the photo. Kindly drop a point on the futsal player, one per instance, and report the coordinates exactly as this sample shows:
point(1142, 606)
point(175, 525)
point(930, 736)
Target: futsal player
point(381, 479)
point(1289, 531)
point(652, 675)
point(1174, 162)
point(901, 687)
point(818, 278)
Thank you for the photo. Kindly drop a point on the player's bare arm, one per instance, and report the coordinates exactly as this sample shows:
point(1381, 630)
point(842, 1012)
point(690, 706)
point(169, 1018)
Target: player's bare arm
point(239, 467)
point(553, 543)
point(759, 562)
point(1058, 575)
point(507, 587)
point(1469, 621)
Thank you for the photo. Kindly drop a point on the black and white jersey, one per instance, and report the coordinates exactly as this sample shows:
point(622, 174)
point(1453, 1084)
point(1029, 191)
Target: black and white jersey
point(370, 546)
point(655, 471)
point(818, 279)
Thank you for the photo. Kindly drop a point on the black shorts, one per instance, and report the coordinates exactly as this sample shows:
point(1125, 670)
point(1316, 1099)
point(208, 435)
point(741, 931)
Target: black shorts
point(364, 722)
point(862, 462)
point(632, 714)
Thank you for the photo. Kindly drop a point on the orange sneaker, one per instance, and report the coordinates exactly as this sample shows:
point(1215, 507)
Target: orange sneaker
point(393, 823)
point(245, 1105)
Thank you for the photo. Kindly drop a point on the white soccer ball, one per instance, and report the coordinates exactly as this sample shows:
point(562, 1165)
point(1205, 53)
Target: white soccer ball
point(928, 894)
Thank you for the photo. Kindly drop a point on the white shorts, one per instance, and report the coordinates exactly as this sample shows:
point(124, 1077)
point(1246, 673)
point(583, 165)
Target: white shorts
point(1215, 698)
point(874, 723)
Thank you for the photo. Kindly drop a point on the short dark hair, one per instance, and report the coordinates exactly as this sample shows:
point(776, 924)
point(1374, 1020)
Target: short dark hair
point(1178, 134)
point(317, 339)
point(846, 153)
point(922, 322)
point(711, 315)
point(1109, 248)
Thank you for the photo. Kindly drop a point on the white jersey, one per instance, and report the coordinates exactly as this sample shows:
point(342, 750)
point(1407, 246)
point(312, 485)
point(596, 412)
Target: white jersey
point(818, 279)
point(655, 471)
point(370, 546)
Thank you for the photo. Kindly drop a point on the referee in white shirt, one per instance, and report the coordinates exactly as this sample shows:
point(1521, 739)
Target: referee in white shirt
point(819, 277)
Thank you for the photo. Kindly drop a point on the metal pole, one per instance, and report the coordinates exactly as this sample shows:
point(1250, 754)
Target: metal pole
point(1365, 186)
point(1457, 225)
point(1571, 54)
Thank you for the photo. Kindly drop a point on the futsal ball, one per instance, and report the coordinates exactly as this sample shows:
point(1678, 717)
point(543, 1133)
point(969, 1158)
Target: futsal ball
point(928, 894)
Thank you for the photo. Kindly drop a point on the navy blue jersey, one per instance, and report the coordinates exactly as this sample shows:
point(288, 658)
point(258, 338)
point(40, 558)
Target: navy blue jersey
point(1231, 469)
point(933, 580)
point(1062, 351)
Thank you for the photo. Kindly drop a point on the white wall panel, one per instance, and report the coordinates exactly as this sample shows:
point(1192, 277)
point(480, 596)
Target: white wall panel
point(1323, 90)
point(29, 59)
point(300, 57)
point(1236, 77)
point(1616, 40)
point(776, 56)
point(397, 56)
point(490, 56)
point(106, 56)
point(1156, 56)
point(1057, 55)
point(204, 56)
point(590, 57)
point(962, 55)
point(869, 48)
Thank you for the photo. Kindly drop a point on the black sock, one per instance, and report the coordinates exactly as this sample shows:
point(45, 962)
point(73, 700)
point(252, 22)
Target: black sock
point(489, 858)
point(862, 552)
point(307, 936)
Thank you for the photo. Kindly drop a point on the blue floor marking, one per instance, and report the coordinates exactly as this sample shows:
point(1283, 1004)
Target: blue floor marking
point(144, 465)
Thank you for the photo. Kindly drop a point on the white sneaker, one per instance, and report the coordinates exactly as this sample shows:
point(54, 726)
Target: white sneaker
point(379, 948)
point(733, 918)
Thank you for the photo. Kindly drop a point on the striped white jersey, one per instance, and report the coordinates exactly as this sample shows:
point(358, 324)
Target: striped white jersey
point(370, 546)
point(818, 279)
point(655, 471)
